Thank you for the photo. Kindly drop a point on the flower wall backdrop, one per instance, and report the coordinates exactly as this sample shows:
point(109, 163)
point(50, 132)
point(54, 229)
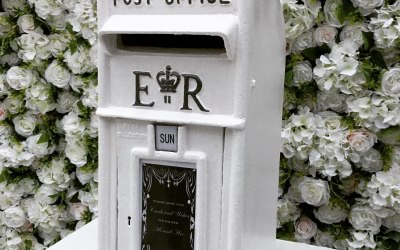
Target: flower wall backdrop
point(340, 164)
point(48, 128)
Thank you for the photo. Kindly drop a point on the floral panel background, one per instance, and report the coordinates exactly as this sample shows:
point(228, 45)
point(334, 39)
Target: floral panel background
point(340, 164)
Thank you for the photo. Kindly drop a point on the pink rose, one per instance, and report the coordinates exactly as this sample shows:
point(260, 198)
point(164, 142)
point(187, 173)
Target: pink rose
point(361, 141)
point(305, 229)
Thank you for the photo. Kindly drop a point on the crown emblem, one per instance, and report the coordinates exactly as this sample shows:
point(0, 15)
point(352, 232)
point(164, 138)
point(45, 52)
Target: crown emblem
point(168, 80)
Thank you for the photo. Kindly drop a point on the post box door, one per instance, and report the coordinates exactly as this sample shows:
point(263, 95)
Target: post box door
point(167, 199)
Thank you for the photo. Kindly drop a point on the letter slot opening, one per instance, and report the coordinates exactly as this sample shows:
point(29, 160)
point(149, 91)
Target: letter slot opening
point(159, 43)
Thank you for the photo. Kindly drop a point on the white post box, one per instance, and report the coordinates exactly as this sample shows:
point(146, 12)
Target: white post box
point(190, 116)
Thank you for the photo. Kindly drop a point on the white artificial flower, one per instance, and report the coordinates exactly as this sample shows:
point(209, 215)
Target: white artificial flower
point(44, 8)
point(84, 176)
point(324, 239)
point(354, 33)
point(90, 199)
point(14, 6)
point(366, 7)
point(330, 214)
point(391, 82)
point(371, 161)
point(32, 46)
point(325, 34)
point(19, 78)
point(55, 174)
point(392, 222)
point(302, 73)
point(303, 41)
point(79, 62)
point(13, 104)
point(26, 23)
point(76, 152)
point(57, 75)
point(362, 217)
point(46, 195)
point(77, 210)
point(39, 98)
point(94, 125)
point(38, 149)
point(58, 43)
point(24, 124)
point(72, 124)
point(65, 102)
point(59, 21)
point(361, 141)
point(305, 228)
point(14, 217)
point(89, 97)
point(287, 211)
point(10, 59)
point(330, 12)
point(362, 239)
point(314, 191)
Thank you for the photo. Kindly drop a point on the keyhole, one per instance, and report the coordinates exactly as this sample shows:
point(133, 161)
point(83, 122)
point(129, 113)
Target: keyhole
point(129, 220)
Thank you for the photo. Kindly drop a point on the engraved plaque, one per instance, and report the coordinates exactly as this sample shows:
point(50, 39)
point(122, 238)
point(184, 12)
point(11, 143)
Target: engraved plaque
point(168, 207)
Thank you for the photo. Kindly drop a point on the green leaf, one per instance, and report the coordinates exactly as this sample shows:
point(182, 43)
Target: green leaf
point(377, 59)
point(289, 76)
point(28, 244)
point(4, 176)
point(314, 53)
point(348, 8)
point(368, 38)
point(73, 46)
point(340, 13)
point(394, 236)
point(45, 137)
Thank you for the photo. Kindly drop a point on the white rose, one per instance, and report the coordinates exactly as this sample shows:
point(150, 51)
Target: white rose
point(19, 78)
point(58, 43)
point(14, 6)
point(330, 11)
point(58, 22)
point(26, 23)
point(305, 229)
point(302, 73)
point(304, 41)
point(76, 152)
point(314, 192)
point(354, 33)
point(38, 149)
point(65, 102)
point(293, 193)
point(14, 217)
point(55, 173)
point(324, 239)
point(391, 82)
point(362, 217)
point(57, 75)
point(361, 141)
point(24, 124)
point(72, 124)
point(10, 59)
point(325, 34)
point(330, 214)
point(13, 104)
point(371, 161)
point(366, 7)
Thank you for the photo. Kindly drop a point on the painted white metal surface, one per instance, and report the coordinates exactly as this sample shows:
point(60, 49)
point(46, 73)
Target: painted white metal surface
point(85, 238)
point(227, 106)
